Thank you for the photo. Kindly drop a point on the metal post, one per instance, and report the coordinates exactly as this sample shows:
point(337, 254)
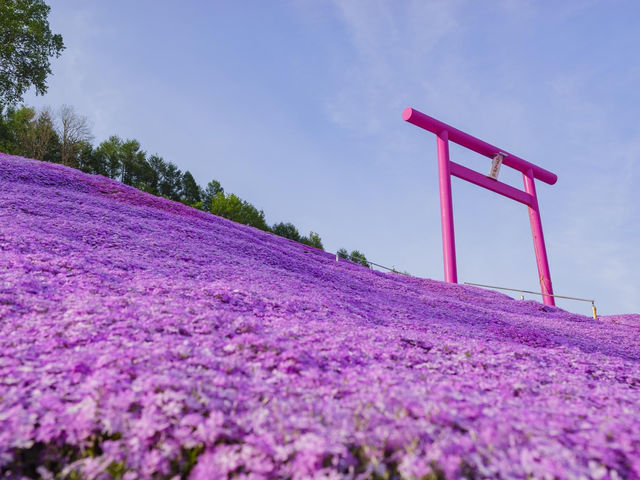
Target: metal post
point(446, 209)
point(538, 239)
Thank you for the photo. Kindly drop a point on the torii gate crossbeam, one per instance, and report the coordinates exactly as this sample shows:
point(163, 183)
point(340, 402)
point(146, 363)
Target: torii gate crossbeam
point(446, 133)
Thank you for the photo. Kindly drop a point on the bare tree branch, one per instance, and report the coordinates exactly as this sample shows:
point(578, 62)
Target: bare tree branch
point(73, 130)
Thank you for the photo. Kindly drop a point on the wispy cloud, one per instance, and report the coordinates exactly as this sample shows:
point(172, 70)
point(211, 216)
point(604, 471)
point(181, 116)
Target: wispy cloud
point(393, 45)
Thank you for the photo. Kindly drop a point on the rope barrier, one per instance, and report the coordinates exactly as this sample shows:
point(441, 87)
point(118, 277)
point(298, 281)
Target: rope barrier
point(593, 302)
point(369, 263)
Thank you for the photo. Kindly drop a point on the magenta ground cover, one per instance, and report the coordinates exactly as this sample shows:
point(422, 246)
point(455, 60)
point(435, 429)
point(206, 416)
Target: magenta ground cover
point(140, 338)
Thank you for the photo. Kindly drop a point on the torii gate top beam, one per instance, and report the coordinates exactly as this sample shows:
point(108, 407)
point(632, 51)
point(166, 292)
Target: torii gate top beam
point(421, 120)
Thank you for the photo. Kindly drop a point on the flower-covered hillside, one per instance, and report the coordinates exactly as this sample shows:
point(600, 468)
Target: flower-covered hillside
point(140, 338)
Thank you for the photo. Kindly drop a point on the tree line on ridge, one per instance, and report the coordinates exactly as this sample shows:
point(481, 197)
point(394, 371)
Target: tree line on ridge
point(64, 136)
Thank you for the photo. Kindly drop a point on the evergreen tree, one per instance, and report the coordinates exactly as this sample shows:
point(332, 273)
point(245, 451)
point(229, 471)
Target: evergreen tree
point(147, 178)
point(355, 256)
point(191, 194)
point(213, 188)
point(169, 178)
point(8, 131)
point(359, 257)
point(133, 162)
point(313, 240)
point(36, 136)
point(238, 210)
point(171, 182)
point(89, 161)
point(158, 166)
point(108, 155)
point(286, 230)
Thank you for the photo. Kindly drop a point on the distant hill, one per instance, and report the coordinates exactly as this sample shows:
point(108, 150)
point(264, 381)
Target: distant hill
point(141, 338)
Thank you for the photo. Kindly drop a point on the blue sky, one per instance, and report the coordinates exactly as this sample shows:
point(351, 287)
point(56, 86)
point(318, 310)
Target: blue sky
point(296, 107)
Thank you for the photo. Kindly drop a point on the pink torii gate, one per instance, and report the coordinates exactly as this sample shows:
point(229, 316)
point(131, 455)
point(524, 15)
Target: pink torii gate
point(446, 133)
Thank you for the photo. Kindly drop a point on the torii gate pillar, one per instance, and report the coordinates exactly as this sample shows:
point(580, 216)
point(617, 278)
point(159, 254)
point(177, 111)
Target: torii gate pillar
point(446, 168)
point(446, 210)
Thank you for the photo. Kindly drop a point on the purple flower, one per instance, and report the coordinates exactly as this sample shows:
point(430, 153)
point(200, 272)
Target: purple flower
point(140, 338)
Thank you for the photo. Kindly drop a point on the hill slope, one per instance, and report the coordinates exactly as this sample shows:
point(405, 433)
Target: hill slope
point(146, 339)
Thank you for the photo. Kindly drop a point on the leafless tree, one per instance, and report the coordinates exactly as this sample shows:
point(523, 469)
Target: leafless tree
point(73, 130)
